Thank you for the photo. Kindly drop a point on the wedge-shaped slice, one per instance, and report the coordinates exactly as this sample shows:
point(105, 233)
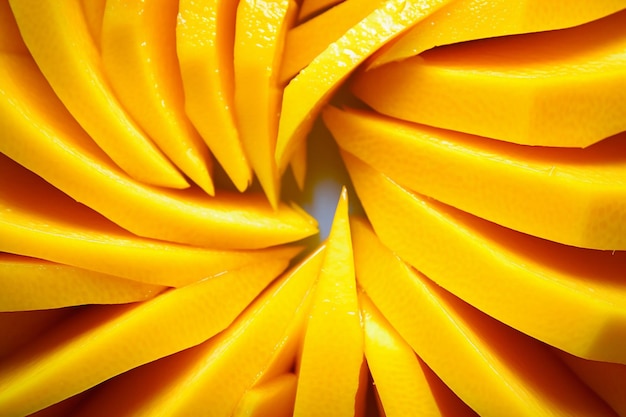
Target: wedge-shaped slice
point(572, 196)
point(210, 379)
point(259, 37)
point(38, 220)
point(110, 340)
point(568, 297)
point(34, 284)
point(274, 398)
point(58, 38)
point(305, 95)
point(404, 384)
point(47, 141)
point(493, 368)
point(205, 35)
point(10, 38)
point(139, 59)
point(331, 363)
point(465, 20)
point(562, 88)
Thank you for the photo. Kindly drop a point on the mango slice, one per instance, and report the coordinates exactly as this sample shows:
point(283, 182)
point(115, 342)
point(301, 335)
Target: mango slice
point(58, 38)
point(205, 35)
point(329, 374)
point(33, 284)
point(466, 20)
point(94, 15)
point(404, 384)
point(564, 88)
point(306, 94)
point(311, 7)
point(572, 196)
point(224, 367)
point(138, 45)
point(568, 297)
point(47, 141)
point(259, 37)
point(490, 366)
point(274, 398)
point(10, 38)
point(110, 340)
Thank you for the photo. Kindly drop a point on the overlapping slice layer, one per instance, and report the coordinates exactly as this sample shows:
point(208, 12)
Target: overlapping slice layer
point(562, 88)
point(568, 297)
point(110, 340)
point(572, 196)
point(274, 398)
point(490, 366)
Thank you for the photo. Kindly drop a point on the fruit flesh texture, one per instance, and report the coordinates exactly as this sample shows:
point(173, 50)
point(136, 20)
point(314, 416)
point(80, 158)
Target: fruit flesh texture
point(571, 196)
point(568, 297)
point(111, 340)
point(564, 88)
point(58, 38)
point(491, 367)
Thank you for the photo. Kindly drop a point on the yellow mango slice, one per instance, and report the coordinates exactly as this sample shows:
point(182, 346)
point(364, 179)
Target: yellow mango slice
point(298, 165)
point(205, 35)
point(10, 38)
point(47, 141)
point(259, 36)
point(307, 40)
point(311, 7)
point(571, 196)
point(332, 351)
point(67, 232)
point(58, 38)
point(306, 94)
point(490, 366)
point(568, 297)
point(564, 88)
point(466, 20)
point(139, 59)
point(225, 366)
point(34, 284)
point(113, 339)
point(94, 15)
point(403, 382)
point(274, 398)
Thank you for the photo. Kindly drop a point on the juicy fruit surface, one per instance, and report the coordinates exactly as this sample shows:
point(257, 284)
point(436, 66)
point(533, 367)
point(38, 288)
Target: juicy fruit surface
point(152, 258)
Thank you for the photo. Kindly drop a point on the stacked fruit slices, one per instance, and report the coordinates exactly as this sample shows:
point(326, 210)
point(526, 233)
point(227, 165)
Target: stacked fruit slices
point(487, 275)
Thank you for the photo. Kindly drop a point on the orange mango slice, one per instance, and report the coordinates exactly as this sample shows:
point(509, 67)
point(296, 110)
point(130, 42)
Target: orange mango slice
point(572, 196)
point(311, 7)
point(10, 38)
point(259, 37)
point(58, 38)
point(112, 340)
point(466, 20)
point(205, 35)
point(564, 88)
point(306, 94)
point(94, 15)
point(138, 45)
point(493, 368)
point(48, 142)
point(404, 384)
point(539, 287)
point(33, 284)
point(225, 366)
point(274, 398)
point(331, 361)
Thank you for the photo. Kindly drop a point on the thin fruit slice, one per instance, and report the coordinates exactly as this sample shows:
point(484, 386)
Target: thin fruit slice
point(307, 40)
point(571, 196)
point(34, 284)
point(306, 94)
point(404, 384)
point(58, 38)
point(331, 361)
point(139, 59)
point(64, 231)
point(225, 366)
point(274, 398)
point(10, 38)
point(205, 35)
point(493, 368)
point(47, 141)
point(259, 37)
point(466, 20)
point(298, 165)
point(113, 339)
point(568, 297)
point(563, 88)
